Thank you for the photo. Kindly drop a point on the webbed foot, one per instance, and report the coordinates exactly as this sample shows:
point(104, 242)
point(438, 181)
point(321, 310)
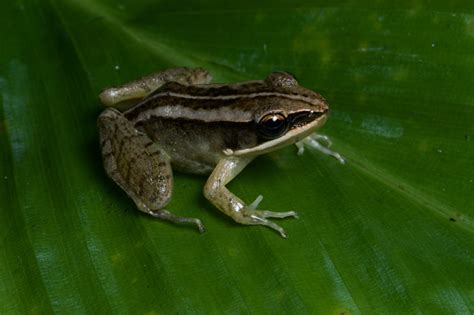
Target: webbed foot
point(259, 217)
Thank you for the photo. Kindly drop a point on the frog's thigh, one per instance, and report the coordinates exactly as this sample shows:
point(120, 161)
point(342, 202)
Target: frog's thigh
point(216, 192)
point(138, 165)
point(125, 95)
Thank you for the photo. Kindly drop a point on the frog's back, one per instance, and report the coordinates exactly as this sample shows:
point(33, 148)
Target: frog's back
point(195, 124)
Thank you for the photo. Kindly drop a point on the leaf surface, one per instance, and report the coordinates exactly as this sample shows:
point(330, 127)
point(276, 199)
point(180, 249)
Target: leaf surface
point(391, 231)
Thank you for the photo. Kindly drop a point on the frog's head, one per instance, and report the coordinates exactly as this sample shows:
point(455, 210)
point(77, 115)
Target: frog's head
point(288, 118)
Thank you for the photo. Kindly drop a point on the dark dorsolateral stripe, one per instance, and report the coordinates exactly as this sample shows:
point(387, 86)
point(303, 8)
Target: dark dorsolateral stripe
point(237, 107)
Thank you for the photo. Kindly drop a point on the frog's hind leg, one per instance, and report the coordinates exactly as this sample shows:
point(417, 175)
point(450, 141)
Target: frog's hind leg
point(139, 166)
point(127, 95)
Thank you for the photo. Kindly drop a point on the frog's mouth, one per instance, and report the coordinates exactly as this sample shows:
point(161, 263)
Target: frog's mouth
point(295, 134)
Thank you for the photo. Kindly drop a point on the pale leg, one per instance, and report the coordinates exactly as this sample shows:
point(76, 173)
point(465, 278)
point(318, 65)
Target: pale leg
point(139, 166)
point(314, 141)
point(216, 192)
point(129, 94)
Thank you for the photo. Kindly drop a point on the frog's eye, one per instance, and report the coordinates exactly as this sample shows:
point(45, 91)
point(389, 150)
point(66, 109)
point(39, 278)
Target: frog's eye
point(272, 126)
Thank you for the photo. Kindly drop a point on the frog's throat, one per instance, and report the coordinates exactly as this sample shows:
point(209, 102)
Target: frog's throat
point(290, 137)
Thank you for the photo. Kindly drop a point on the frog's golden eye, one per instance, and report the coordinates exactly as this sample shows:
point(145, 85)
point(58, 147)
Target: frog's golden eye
point(272, 126)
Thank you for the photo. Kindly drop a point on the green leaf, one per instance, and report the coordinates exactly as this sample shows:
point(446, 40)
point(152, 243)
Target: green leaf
point(391, 231)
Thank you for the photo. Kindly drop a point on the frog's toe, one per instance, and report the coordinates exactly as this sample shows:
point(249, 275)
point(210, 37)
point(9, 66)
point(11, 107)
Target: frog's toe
point(273, 214)
point(268, 214)
point(318, 137)
point(300, 146)
point(166, 215)
point(314, 141)
point(255, 218)
point(256, 202)
point(259, 217)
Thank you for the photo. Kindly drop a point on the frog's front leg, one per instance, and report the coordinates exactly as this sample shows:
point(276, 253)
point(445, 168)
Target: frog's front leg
point(138, 165)
point(129, 94)
point(216, 192)
point(314, 141)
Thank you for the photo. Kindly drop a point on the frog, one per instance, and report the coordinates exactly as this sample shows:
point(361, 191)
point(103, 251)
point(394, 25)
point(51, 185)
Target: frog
point(177, 119)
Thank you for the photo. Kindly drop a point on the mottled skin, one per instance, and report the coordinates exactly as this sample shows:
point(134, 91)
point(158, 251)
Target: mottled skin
point(176, 118)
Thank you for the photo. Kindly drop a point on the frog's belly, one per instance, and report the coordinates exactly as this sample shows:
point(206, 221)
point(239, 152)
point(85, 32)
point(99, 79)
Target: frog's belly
point(196, 147)
point(194, 162)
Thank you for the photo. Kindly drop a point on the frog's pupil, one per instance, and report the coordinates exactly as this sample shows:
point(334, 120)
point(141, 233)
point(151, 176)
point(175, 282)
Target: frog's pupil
point(272, 126)
point(274, 122)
